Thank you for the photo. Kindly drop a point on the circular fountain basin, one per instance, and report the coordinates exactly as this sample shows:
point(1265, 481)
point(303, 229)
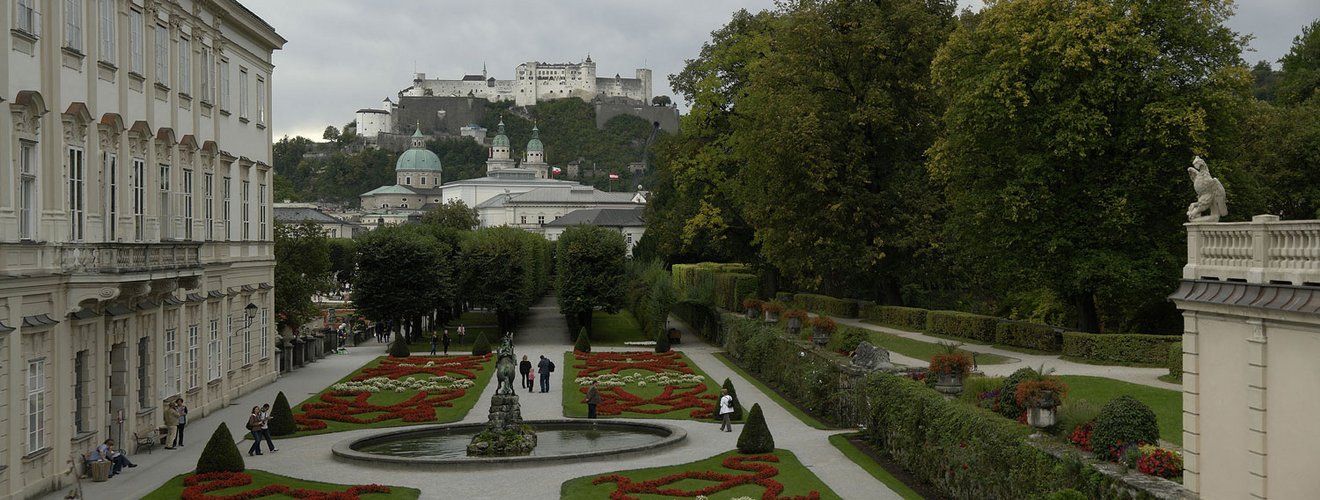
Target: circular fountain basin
point(447, 444)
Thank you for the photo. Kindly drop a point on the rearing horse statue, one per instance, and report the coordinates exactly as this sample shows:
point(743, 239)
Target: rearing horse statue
point(505, 366)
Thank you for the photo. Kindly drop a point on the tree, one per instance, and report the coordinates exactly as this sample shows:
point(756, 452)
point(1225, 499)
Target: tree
point(737, 404)
point(403, 274)
point(343, 261)
point(331, 133)
point(1265, 81)
point(1066, 137)
point(281, 417)
point(583, 341)
point(661, 100)
point(220, 453)
point(302, 269)
point(590, 273)
point(453, 214)
point(506, 270)
point(755, 437)
point(1299, 79)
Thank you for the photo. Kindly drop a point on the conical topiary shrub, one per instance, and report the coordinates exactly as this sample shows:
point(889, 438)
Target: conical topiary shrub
point(220, 454)
point(737, 405)
point(399, 347)
point(662, 342)
point(583, 343)
point(481, 346)
point(755, 437)
point(281, 417)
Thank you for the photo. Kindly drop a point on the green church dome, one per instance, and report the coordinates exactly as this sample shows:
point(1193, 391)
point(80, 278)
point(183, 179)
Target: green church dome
point(418, 158)
point(501, 140)
point(535, 143)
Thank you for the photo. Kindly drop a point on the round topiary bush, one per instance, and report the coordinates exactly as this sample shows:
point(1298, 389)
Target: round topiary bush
point(220, 453)
point(1008, 405)
point(1123, 421)
point(662, 342)
point(583, 343)
point(755, 437)
point(481, 346)
point(281, 417)
point(399, 348)
point(737, 405)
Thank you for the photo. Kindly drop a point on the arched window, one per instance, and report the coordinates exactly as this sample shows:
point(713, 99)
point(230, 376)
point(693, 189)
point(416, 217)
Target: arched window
point(407, 180)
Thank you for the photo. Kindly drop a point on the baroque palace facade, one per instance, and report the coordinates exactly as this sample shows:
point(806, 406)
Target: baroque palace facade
point(136, 240)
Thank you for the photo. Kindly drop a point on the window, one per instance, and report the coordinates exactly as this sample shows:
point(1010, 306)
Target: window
point(208, 202)
point(107, 26)
point(225, 200)
point(246, 193)
point(224, 84)
point(172, 361)
point(523, 219)
point(73, 33)
point(144, 373)
point(27, 190)
point(166, 225)
point(111, 168)
point(135, 42)
point(162, 55)
point(261, 211)
point(194, 345)
point(184, 49)
point(208, 75)
point(261, 100)
point(80, 392)
point(139, 181)
point(242, 93)
point(247, 340)
point(36, 404)
point(213, 351)
point(540, 219)
point(77, 194)
point(187, 204)
point(265, 332)
point(423, 180)
point(407, 181)
point(29, 19)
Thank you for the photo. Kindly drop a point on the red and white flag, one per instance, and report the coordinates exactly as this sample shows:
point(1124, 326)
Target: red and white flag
point(614, 177)
point(556, 171)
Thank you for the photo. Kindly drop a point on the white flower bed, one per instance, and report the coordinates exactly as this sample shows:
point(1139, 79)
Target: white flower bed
point(383, 384)
point(640, 380)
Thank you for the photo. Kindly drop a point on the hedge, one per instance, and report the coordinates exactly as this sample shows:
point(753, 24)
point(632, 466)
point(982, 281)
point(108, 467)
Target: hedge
point(703, 319)
point(1029, 335)
point(732, 288)
point(908, 317)
point(1175, 360)
point(824, 304)
point(724, 285)
point(1150, 350)
point(961, 324)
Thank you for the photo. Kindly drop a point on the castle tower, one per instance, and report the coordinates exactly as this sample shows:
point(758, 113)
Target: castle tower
point(535, 157)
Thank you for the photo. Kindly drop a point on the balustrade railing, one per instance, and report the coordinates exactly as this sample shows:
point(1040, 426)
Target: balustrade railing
point(1265, 250)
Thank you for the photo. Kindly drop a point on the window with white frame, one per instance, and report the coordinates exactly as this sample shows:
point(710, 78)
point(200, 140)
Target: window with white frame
point(107, 29)
point(27, 190)
point(135, 42)
point(139, 181)
point(166, 224)
point(194, 348)
point(242, 92)
point(184, 48)
point(144, 373)
point(245, 191)
point(173, 361)
point(265, 332)
point(162, 55)
point(225, 202)
point(36, 405)
point(261, 211)
point(77, 194)
point(224, 84)
point(110, 166)
point(208, 76)
point(73, 24)
point(213, 351)
point(28, 17)
point(247, 340)
point(208, 203)
point(187, 204)
point(261, 100)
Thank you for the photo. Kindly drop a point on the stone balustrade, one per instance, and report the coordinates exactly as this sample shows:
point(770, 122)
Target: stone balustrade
point(1265, 250)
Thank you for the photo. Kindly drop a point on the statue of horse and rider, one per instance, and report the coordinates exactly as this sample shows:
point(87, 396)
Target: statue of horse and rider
point(505, 366)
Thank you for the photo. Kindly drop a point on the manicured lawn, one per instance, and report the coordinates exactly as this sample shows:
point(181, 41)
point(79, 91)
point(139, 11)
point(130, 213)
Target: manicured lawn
point(925, 350)
point(456, 345)
point(841, 442)
point(643, 395)
point(173, 489)
point(805, 417)
point(791, 475)
point(1166, 404)
point(615, 329)
point(450, 404)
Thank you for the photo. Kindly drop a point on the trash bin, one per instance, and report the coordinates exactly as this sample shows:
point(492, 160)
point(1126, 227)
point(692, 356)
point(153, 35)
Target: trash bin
point(100, 470)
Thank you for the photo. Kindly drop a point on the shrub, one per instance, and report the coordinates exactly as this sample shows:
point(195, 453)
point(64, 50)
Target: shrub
point(755, 437)
point(662, 342)
point(1066, 494)
point(772, 307)
point(1175, 360)
point(1074, 413)
point(1152, 350)
point(800, 314)
point(1029, 335)
point(1123, 421)
point(399, 347)
point(220, 453)
point(480, 346)
point(906, 317)
point(961, 324)
point(1008, 405)
point(848, 339)
point(824, 304)
point(1161, 462)
point(1081, 436)
point(737, 405)
point(281, 417)
point(824, 324)
point(703, 319)
point(979, 389)
point(583, 343)
point(751, 303)
point(1031, 391)
point(957, 364)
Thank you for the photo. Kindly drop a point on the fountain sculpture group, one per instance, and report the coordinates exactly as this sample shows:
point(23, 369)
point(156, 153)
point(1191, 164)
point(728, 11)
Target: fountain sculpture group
point(505, 433)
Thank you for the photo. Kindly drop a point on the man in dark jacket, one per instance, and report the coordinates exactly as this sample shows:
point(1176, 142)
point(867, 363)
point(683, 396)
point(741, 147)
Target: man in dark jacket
point(525, 368)
point(593, 399)
point(544, 368)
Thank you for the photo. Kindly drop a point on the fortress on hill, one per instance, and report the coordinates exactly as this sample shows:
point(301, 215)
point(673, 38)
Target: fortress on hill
point(536, 81)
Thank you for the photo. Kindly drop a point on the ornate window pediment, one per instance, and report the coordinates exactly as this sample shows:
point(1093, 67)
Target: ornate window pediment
point(139, 138)
point(108, 131)
point(76, 120)
point(28, 108)
point(165, 143)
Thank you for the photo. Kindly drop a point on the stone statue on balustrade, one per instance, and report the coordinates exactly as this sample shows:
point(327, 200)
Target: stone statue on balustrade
point(1209, 194)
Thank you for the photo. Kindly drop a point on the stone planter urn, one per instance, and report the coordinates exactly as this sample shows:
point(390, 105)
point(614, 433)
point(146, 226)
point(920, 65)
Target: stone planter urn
point(821, 337)
point(949, 384)
point(1043, 412)
point(771, 317)
point(794, 326)
point(753, 313)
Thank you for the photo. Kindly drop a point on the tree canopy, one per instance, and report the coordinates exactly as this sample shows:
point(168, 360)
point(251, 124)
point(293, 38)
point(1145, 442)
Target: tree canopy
point(302, 269)
point(453, 214)
point(590, 273)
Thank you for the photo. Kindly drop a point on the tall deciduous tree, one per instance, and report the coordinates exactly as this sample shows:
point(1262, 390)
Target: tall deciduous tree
point(1067, 135)
point(1299, 81)
point(453, 214)
point(302, 269)
point(506, 270)
point(403, 274)
point(590, 273)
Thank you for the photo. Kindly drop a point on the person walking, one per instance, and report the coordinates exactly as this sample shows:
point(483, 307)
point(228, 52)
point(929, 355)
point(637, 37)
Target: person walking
point(183, 421)
point(107, 451)
point(593, 399)
point(461, 332)
point(171, 425)
point(545, 367)
point(525, 368)
point(265, 427)
point(435, 342)
point(726, 410)
point(444, 341)
point(254, 426)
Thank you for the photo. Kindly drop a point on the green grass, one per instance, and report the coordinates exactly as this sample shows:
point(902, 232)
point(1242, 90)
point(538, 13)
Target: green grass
point(841, 442)
point(796, 478)
point(1166, 404)
point(615, 329)
point(173, 489)
point(925, 350)
point(460, 407)
point(574, 396)
point(456, 346)
point(803, 416)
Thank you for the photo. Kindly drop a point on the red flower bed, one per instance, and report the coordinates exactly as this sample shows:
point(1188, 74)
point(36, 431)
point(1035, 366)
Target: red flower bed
point(197, 486)
point(1081, 436)
point(617, 400)
point(1161, 462)
point(597, 363)
point(761, 474)
point(346, 406)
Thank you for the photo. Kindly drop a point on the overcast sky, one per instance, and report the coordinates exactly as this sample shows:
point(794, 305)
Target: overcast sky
point(344, 55)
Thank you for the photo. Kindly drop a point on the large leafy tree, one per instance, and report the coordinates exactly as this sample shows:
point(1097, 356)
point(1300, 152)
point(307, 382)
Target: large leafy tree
point(302, 269)
point(506, 270)
point(1299, 81)
point(590, 273)
point(453, 214)
point(403, 274)
point(1067, 134)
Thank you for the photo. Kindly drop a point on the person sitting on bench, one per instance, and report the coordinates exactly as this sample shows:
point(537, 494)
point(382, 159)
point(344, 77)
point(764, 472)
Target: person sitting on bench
point(107, 451)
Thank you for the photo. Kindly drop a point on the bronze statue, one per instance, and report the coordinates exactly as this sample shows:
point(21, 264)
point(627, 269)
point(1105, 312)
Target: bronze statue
point(505, 366)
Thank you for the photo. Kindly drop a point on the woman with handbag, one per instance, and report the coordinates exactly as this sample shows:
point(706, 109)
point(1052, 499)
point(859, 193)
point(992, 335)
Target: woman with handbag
point(254, 425)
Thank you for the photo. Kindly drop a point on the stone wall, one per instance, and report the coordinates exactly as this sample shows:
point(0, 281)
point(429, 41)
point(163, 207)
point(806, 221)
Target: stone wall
point(666, 116)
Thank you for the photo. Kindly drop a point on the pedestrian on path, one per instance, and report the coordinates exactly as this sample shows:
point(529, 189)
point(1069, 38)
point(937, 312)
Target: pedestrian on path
point(265, 427)
point(726, 410)
point(444, 341)
point(461, 332)
point(254, 426)
point(593, 398)
point(171, 425)
point(525, 368)
point(435, 342)
point(544, 368)
point(183, 420)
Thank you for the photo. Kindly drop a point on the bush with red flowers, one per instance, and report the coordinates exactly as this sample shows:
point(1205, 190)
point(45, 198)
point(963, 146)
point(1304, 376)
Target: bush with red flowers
point(761, 473)
point(682, 387)
point(1081, 436)
point(197, 486)
point(1161, 462)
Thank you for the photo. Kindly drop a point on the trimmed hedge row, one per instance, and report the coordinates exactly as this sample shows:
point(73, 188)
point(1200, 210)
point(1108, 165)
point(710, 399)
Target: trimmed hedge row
point(961, 324)
point(1119, 347)
point(910, 317)
point(724, 285)
point(732, 288)
point(703, 319)
point(824, 304)
point(1175, 360)
point(1029, 335)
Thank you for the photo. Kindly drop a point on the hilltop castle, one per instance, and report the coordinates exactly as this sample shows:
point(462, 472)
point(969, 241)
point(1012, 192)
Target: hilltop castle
point(537, 81)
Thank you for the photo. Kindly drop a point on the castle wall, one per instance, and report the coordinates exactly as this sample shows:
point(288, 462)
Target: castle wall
point(666, 116)
point(438, 115)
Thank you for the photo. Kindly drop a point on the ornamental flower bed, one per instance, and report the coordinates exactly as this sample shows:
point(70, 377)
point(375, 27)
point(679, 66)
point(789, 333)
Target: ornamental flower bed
point(199, 487)
point(758, 470)
point(644, 384)
point(395, 391)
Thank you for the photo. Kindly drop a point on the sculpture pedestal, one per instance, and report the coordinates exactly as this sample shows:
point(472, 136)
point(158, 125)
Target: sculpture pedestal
point(505, 433)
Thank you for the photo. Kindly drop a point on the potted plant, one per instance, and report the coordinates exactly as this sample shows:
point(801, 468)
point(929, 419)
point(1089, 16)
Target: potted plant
point(795, 317)
point(1041, 395)
point(822, 329)
point(752, 307)
point(950, 368)
point(772, 310)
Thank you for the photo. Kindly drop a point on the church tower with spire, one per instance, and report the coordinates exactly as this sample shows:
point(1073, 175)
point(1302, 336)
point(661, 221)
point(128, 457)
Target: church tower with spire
point(500, 157)
point(535, 157)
